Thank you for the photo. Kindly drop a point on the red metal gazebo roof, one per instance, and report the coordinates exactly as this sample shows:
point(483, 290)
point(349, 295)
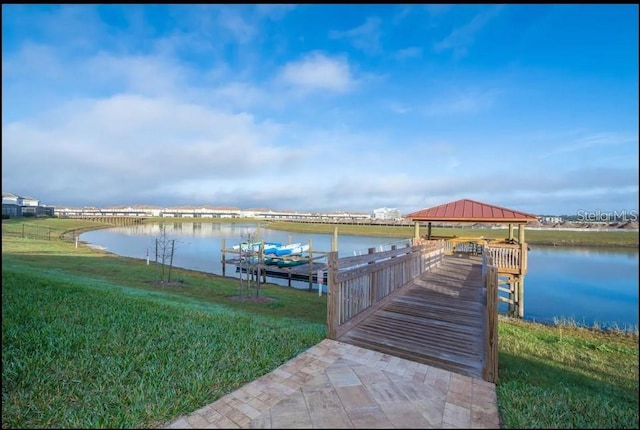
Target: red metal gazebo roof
point(466, 210)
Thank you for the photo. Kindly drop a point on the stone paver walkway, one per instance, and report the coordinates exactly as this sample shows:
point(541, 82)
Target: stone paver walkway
point(337, 385)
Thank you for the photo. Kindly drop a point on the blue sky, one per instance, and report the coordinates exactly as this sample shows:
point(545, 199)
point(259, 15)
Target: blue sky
point(322, 107)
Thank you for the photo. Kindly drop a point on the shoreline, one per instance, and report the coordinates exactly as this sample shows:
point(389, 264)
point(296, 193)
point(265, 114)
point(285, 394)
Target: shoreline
point(535, 236)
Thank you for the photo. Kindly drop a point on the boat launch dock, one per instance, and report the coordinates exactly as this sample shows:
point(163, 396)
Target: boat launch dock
point(305, 268)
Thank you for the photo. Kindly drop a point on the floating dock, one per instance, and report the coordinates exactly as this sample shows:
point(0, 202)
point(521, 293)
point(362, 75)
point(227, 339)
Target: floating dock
point(305, 272)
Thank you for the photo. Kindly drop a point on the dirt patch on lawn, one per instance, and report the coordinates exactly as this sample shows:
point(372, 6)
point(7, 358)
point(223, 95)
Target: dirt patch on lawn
point(167, 283)
point(252, 299)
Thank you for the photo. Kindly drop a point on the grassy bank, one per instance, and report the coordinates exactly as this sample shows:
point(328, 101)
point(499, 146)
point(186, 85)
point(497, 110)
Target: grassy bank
point(566, 377)
point(533, 237)
point(90, 340)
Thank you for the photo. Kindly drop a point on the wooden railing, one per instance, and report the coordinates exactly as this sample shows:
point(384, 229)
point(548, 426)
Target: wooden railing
point(359, 285)
point(490, 274)
point(464, 244)
point(509, 258)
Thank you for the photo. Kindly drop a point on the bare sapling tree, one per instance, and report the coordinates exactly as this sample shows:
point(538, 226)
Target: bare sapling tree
point(250, 261)
point(164, 251)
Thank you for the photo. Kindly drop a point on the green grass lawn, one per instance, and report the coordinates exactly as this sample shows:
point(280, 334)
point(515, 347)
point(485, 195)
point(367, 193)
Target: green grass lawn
point(566, 377)
point(90, 340)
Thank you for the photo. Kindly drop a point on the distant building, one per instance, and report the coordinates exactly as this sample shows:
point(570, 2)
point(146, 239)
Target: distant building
point(17, 206)
point(546, 219)
point(387, 213)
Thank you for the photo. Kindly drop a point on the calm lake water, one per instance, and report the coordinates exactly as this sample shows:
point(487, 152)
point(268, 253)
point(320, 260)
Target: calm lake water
point(586, 285)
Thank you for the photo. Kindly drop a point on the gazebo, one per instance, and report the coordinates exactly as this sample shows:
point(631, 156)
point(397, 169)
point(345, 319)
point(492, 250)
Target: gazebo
point(510, 255)
point(471, 211)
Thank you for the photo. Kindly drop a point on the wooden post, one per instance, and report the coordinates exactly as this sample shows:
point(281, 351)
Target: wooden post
point(416, 230)
point(521, 233)
point(521, 296)
point(224, 258)
point(510, 231)
point(490, 367)
point(429, 230)
point(173, 243)
point(260, 264)
point(334, 244)
point(332, 295)
point(156, 262)
point(310, 268)
point(373, 292)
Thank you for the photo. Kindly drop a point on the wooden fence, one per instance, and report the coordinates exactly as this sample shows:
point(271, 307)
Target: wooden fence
point(490, 275)
point(359, 285)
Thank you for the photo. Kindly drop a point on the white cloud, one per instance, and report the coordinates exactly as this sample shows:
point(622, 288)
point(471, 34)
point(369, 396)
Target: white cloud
point(274, 11)
point(316, 71)
point(465, 101)
point(460, 39)
point(100, 148)
point(365, 37)
point(588, 142)
point(410, 52)
point(241, 94)
point(400, 108)
point(237, 25)
point(35, 61)
point(150, 75)
point(438, 9)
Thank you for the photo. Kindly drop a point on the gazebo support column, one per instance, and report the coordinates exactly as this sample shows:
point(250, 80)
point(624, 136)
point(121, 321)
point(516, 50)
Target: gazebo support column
point(520, 233)
point(416, 230)
point(429, 230)
point(510, 231)
point(523, 266)
point(521, 296)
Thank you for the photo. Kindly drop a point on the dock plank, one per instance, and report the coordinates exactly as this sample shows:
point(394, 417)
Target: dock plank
point(437, 320)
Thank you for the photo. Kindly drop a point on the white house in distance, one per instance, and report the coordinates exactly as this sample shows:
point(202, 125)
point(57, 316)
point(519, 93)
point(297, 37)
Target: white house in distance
point(387, 213)
point(17, 206)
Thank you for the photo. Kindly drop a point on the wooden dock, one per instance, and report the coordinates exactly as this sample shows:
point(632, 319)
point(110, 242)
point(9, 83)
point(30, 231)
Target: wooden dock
point(439, 319)
point(303, 272)
point(253, 263)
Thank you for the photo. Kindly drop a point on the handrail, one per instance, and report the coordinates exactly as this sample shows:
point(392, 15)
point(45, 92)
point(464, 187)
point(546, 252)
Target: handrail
point(360, 284)
point(490, 278)
point(508, 258)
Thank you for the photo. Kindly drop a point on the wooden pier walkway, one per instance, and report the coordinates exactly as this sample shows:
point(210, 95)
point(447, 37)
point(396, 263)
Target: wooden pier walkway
point(438, 320)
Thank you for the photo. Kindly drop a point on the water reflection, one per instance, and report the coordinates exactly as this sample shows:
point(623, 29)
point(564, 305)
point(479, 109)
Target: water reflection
point(587, 285)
